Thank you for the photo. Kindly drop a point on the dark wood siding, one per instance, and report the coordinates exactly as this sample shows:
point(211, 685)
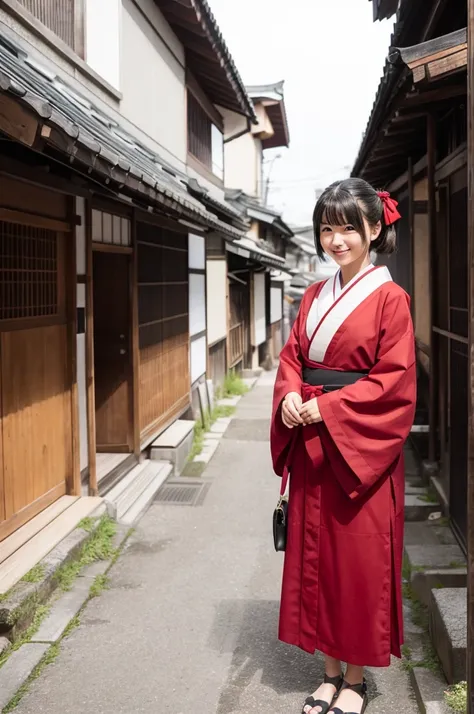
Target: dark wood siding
point(163, 325)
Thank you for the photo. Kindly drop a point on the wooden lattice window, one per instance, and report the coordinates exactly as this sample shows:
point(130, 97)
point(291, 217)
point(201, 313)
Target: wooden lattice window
point(31, 274)
point(199, 132)
point(63, 17)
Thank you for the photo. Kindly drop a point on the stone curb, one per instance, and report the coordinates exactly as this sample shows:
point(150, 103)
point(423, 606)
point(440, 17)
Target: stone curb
point(429, 690)
point(17, 669)
point(22, 663)
point(25, 597)
point(213, 437)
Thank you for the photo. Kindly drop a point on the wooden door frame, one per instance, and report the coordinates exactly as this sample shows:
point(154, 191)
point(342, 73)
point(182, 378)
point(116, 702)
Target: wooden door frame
point(133, 378)
point(127, 253)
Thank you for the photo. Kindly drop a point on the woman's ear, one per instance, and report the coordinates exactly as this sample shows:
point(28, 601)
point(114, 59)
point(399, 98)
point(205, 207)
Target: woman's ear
point(375, 231)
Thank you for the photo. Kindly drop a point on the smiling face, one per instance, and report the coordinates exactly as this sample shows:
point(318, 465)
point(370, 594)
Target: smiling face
point(345, 244)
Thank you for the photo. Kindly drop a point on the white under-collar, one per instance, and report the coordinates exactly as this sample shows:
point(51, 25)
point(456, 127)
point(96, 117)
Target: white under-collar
point(338, 290)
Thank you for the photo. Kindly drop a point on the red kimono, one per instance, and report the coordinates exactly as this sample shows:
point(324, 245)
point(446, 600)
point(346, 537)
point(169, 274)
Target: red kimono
point(341, 590)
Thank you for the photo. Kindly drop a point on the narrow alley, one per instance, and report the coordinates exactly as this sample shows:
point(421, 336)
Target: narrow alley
point(189, 620)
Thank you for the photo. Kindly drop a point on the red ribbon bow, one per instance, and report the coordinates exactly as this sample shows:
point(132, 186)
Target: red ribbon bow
point(390, 212)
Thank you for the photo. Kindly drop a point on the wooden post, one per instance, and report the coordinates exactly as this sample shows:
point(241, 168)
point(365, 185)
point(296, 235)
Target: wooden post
point(135, 342)
point(74, 487)
point(90, 383)
point(411, 233)
point(470, 463)
point(433, 405)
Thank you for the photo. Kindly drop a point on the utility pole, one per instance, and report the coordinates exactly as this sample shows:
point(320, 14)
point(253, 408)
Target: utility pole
point(267, 182)
point(470, 464)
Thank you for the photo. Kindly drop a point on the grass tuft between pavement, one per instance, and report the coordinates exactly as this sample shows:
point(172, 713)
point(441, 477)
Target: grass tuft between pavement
point(456, 697)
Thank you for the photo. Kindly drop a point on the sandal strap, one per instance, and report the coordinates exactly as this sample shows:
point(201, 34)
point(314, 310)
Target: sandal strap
point(360, 689)
point(337, 681)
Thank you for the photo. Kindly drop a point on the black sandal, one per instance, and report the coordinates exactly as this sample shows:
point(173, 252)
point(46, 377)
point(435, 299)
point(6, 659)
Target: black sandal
point(360, 689)
point(312, 702)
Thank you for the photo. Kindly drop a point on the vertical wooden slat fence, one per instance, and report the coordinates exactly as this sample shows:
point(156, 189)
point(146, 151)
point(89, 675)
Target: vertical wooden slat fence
point(63, 17)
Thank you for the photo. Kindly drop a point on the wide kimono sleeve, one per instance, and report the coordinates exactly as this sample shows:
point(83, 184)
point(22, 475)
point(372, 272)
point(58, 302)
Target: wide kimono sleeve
point(365, 425)
point(288, 379)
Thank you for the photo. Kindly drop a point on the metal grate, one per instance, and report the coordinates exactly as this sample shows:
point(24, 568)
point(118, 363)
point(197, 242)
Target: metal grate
point(182, 494)
point(28, 272)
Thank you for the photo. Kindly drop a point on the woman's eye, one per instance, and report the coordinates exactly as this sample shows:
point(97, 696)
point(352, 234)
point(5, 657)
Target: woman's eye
point(325, 229)
point(350, 228)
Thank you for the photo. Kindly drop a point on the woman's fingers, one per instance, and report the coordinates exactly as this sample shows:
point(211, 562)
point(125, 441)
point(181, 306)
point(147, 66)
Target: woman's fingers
point(293, 410)
point(290, 418)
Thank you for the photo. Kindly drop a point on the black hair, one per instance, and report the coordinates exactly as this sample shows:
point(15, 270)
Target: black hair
point(349, 202)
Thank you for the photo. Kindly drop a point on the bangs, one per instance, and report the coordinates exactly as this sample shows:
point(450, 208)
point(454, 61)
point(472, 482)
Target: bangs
point(339, 208)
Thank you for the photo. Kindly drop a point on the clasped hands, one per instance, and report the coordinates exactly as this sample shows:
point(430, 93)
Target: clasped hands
point(295, 413)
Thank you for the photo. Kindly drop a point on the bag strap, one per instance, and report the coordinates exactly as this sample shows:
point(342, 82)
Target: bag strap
point(284, 481)
point(286, 472)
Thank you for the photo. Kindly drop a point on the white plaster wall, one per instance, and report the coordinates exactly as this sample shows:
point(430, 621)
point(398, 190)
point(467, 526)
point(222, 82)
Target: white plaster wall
point(260, 328)
point(233, 123)
point(103, 39)
point(197, 252)
point(242, 163)
point(276, 304)
point(153, 77)
point(197, 303)
point(216, 300)
point(198, 357)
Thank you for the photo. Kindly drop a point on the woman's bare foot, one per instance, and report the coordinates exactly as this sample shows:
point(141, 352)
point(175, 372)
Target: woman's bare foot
point(348, 701)
point(326, 693)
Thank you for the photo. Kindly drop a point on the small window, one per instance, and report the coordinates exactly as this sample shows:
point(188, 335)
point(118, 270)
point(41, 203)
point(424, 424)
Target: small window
point(63, 17)
point(205, 140)
point(30, 272)
point(111, 229)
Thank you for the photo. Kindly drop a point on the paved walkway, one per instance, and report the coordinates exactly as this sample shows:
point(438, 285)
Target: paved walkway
point(190, 620)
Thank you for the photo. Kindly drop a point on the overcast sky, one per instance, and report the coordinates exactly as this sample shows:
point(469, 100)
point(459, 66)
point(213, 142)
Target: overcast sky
point(331, 55)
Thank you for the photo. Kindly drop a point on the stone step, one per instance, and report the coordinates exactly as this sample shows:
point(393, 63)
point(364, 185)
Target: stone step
point(448, 616)
point(435, 566)
point(124, 496)
point(146, 497)
point(417, 509)
point(174, 445)
point(119, 492)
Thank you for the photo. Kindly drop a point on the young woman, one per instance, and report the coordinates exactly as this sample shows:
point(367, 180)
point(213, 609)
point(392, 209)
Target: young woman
point(344, 404)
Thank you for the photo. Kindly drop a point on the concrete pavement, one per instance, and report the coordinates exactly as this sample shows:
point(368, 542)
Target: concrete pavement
point(189, 622)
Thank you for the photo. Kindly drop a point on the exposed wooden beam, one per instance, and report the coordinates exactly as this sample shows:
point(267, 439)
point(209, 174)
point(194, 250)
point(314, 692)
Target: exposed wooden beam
point(17, 122)
point(387, 147)
point(188, 21)
point(407, 118)
point(418, 99)
point(448, 64)
point(394, 130)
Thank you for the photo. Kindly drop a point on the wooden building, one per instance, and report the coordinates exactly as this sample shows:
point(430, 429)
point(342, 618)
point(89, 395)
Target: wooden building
point(416, 146)
point(102, 243)
point(255, 284)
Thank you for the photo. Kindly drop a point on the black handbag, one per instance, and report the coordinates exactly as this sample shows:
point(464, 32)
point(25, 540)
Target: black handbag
point(280, 524)
point(280, 517)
